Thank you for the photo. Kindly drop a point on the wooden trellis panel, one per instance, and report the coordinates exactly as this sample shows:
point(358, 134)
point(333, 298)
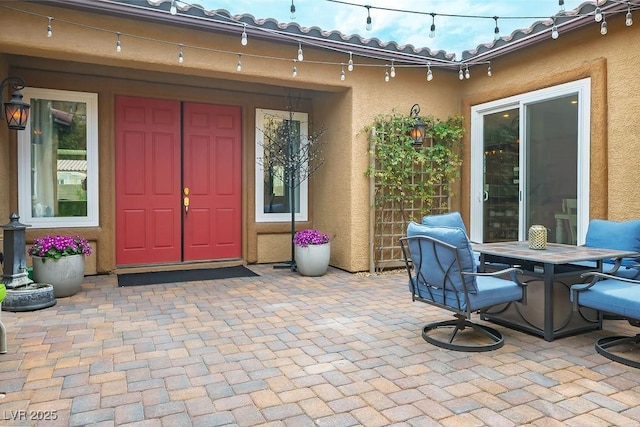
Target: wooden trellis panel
point(389, 220)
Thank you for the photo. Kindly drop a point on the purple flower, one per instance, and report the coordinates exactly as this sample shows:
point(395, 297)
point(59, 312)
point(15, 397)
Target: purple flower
point(310, 237)
point(58, 246)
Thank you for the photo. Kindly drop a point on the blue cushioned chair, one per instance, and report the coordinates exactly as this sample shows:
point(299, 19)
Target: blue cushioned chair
point(620, 235)
point(616, 295)
point(442, 273)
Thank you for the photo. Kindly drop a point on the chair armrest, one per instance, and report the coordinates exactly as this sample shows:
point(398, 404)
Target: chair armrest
point(599, 276)
point(494, 273)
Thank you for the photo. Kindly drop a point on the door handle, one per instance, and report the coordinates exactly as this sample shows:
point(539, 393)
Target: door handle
point(485, 195)
point(185, 200)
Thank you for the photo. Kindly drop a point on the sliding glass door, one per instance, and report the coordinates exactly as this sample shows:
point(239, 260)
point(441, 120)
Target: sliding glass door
point(530, 165)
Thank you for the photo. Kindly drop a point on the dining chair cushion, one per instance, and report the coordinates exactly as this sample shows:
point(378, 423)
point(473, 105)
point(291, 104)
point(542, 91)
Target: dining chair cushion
point(451, 219)
point(619, 235)
point(611, 296)
point(454, 236)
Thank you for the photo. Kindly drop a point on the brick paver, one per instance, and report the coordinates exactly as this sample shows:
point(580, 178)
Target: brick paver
point(280, 349)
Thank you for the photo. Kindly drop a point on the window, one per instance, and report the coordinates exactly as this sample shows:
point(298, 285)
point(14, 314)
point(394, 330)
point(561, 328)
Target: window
point(58, 160)
point(277, 132)
point(530, 157)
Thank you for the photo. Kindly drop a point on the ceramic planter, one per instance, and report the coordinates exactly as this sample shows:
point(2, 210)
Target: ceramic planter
point(65, 274)
point(313, 260)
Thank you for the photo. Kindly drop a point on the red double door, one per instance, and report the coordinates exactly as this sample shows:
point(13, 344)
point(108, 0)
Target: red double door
point(178, 181)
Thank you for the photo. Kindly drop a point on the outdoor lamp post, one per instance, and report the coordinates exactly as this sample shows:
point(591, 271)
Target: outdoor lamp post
point(418, 130)
point(16, 111)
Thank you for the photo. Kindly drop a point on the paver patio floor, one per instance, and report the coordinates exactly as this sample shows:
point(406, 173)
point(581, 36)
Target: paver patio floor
point(285, 350)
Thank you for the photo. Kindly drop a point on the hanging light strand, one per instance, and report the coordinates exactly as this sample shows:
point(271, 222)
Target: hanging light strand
point(432, 30)
point(49, 27)
point(628, 19)
point(300, 54)
point(292, 10)
point(496, 30)
point(243, 38)
point(118, 43)
point(369, 25)
point(180, 54)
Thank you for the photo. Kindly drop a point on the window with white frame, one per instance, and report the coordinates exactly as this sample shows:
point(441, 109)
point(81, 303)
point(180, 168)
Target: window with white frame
point(278, 179)
point(58, 160)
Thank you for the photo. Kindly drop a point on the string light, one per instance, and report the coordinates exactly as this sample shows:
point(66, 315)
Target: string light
point(432, 31)
point(496, 31)
point(561, 4)
point(292, 9)
point(467, 74)
point(50, 28)
point(239, 64)
point(393, 69)
point(429, 73)
point(295, 70)
point(554, 30)
point(173, 9)
point(350, 65)
point(489, 73)
point(342, 74)
point(628, 20)
point(461, 74)
point(300, 55)
point(598, 14)
point(603, 26)
point(118, 44)
point(369, 25)
point(180, 55)
point(386, 75)
point(243, 39)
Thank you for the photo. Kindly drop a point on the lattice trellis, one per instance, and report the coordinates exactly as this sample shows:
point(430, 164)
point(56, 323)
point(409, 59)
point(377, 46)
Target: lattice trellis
point(389, 219)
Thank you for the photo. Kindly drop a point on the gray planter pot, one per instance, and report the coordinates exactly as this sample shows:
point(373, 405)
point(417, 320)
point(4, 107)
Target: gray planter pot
point(313, 260)
point(65, 274)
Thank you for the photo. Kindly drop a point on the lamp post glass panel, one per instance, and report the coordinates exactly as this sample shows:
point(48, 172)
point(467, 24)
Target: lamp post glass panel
point(16, 111)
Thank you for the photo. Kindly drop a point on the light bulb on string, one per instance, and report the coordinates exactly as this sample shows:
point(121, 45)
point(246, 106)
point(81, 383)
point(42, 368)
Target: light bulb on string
point(554, 30)
point(598, 14)
point(489, 73)
point(49, 28)
point(180, 55)
point(603, 27)
point(467, 74)
point(350, 64)
point(295, 71)
point(118, 43)
point(342, 74)
point(429, 73)
point(369, 25)
point(432, 30)
point(461, 74)
point(300, 55)
point(173, 9)
point(292, 9)
point(239, 64)
point(386, 75)
point(561, 4)
point(243, 39)
point(496, 30)
point(628, 20)
point(393, 70)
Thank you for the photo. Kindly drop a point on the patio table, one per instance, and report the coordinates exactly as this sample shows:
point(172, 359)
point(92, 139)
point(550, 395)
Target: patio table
point(548, 311)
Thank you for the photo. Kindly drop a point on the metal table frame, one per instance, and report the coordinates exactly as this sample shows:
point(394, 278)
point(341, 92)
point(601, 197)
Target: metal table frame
point(557, 261)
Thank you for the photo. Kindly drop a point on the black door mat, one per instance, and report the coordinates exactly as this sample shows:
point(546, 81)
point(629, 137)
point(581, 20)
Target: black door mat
point(159, 277)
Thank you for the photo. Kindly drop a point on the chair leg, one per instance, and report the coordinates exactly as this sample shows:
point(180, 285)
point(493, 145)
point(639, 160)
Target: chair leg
point(604, 344)
point(496, 340)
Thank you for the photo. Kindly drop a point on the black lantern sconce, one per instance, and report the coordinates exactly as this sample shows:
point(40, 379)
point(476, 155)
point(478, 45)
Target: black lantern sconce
point(16, 111)
point(417, 132)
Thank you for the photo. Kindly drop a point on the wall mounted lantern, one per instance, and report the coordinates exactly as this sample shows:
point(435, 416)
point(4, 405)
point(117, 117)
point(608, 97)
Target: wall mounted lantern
point(16, 111)
point(417, 132)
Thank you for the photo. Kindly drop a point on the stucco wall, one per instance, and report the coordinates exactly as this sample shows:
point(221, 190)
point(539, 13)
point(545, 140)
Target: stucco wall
point(611, 64)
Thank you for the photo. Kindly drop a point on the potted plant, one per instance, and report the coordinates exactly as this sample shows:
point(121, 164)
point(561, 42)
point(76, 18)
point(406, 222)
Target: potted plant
point(312, 251)
point(59, 261)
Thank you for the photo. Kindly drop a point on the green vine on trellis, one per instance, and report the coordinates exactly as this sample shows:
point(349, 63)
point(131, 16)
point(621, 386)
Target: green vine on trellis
point(398, 162)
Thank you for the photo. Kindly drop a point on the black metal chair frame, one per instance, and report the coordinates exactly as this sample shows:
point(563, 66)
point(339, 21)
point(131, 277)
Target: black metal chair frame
point(603, 345)
point(462, 315)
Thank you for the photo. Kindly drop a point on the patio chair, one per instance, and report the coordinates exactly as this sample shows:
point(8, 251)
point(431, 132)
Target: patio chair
point(618, 296)
point(442, 272)
point(620, 235)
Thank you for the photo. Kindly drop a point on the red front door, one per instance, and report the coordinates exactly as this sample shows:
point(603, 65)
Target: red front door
point(165, 149)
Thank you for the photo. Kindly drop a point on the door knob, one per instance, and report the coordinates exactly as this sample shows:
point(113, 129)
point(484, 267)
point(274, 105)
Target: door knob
point(185, 200)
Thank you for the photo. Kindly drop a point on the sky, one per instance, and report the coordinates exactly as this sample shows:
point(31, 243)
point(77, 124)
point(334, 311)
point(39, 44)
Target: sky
point(453, 35)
